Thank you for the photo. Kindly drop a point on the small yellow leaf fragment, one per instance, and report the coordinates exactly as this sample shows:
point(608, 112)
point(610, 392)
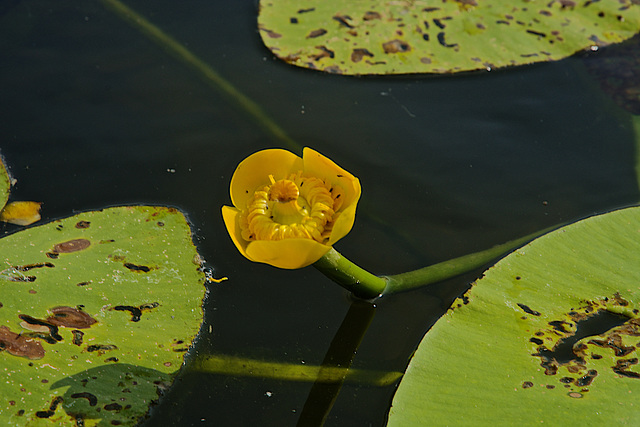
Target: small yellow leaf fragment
point(21, 213)
point(211, 279)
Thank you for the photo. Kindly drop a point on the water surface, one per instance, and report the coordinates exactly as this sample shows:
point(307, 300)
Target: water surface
point(93, 114)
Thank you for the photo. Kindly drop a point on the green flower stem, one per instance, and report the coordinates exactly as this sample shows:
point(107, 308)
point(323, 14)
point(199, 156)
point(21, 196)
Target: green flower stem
point(359, 282)
point(453, 267)
point(367, 286)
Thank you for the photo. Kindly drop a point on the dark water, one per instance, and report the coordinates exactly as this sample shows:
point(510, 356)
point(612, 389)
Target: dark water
point(93, 114)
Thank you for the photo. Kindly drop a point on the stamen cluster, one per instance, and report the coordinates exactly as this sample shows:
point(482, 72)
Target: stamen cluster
point(295, 207)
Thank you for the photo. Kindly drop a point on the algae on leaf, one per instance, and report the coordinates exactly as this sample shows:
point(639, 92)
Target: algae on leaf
point(105, 305)
point(550, 334)
point(438, 36)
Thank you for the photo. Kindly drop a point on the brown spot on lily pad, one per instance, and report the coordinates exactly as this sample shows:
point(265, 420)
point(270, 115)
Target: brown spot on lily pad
point(52, 408)
point(358, 54)
point(28, 267)
point(137, 268)
point(83, 224)
point(91, 398)
point(614, 342)
point(113, 406)
point(396, 46)
point(371, 15)
point(528, 310)
point(324, 53)
point(136, 312)
point(618, 300)
point(587, 379)
point(70, 317)
point(316, 33)
point(18, 345)
point(101, 348)
point(623, 365)
point(271, 34)
point(34, 324)
point(343, 20)
point(333, 69)
point(77, 337)
point(74, 245)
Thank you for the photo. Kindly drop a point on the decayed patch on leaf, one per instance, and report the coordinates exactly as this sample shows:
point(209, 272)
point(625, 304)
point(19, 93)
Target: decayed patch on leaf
point(549, 332)
point(60, 285)
point(20, 345)
point(70, 317)
point(434, 36)
point(569, 345)
point(74, 245)
point(136, 312)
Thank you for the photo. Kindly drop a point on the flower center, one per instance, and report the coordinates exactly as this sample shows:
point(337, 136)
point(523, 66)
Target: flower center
point(295, 207)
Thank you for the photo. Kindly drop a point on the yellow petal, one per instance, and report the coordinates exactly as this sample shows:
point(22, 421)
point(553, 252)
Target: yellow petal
point(315, 164)
point(288, 253)
point(255, 170)
point(21, 213)
point(230, 217)
point(318, 165)
point(343, 224)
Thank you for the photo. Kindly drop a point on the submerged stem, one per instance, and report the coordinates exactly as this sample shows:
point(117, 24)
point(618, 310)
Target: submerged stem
point(340, 354)
point(209, 75)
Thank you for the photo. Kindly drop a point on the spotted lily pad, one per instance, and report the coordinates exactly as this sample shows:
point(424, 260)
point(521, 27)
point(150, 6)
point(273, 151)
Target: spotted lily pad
point(550, 335)
point(436, 36)
point(96, 314)
point(5, 185)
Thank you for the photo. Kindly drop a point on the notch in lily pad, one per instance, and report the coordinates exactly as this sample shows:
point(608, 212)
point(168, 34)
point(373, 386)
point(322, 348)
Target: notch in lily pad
point(555, 324)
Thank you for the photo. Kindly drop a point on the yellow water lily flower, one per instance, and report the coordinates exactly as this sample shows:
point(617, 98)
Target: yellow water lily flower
point(289, 211)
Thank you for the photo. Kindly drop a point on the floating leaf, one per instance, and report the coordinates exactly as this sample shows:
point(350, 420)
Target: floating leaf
point(436, 36)
point(549, 335)
point(105, 304)
point(5, 184)
point(21, 213)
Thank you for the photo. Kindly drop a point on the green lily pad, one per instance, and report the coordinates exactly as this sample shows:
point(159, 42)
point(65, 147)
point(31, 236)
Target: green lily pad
point(106, 304)
point(549, 336)
point(433, 36)
point(5, 184)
